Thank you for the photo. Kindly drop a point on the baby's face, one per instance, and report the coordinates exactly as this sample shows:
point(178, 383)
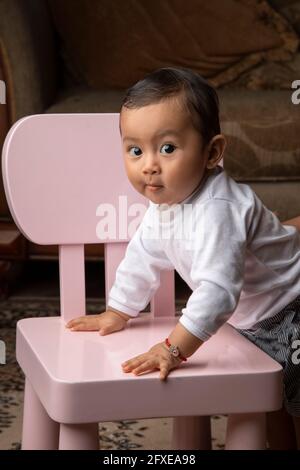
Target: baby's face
point(162, 148)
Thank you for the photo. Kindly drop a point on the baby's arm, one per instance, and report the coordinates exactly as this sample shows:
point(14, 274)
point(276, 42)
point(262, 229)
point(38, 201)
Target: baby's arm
point(184, 340)
point(138, 275)
point(295, 222)
point(217, 269)
point(137, 278)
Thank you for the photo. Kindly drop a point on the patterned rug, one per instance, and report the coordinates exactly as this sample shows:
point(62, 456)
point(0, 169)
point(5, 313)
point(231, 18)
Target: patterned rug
point(148, 434)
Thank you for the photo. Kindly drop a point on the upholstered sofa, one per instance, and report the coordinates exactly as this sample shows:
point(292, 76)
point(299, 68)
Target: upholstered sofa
point(65, 57)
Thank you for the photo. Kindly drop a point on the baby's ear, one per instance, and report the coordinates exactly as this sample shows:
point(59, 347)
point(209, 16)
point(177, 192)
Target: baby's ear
point(210, 164)
point(216, 150)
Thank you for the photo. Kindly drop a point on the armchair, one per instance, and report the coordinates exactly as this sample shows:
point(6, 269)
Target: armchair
point(43, 73)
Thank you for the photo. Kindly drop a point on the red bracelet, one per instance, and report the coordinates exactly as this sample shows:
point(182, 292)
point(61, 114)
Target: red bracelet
point(174, 350)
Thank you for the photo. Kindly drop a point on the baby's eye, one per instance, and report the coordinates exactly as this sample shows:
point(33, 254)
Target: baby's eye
point(135, 150)
point(167, 148)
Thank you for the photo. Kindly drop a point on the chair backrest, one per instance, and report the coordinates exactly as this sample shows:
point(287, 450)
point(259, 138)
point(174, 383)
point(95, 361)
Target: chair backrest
point(64, 180)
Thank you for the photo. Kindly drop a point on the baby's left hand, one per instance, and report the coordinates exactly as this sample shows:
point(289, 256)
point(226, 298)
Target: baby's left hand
point(158, 357)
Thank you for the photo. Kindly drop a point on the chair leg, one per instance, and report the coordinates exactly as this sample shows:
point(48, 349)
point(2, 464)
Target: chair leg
point(281, 431)
point(191, 433)
point(39, 432)
point(79, 437)
point(246, 432)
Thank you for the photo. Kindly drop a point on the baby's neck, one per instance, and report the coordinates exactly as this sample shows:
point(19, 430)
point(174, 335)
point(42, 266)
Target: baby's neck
point(199, 186)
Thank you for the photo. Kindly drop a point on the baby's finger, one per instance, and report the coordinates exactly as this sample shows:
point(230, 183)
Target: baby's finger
point(107, 329)
point(84, 326)
point(147, 365)
point(75, 321)
point(135, 362)
point(130, 365)
point(164, 372)
point(71, 323)
point(88, 322)
point(77, 327)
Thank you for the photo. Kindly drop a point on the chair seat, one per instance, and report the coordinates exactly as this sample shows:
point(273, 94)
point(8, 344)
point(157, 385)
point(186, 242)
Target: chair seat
point(73, 373)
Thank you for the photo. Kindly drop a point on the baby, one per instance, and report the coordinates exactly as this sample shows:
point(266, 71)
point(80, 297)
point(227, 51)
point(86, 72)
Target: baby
point(241, 263)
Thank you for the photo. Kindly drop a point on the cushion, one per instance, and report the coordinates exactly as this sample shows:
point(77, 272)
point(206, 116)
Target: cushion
point(270, 75)
point(262, 129)
point(290, 9)
point(115, 43)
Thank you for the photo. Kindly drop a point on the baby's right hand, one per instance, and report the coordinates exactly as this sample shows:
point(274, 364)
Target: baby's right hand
point(106, 322)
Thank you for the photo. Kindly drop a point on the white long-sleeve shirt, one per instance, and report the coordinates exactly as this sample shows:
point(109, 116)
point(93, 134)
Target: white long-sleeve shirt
point(241, 263)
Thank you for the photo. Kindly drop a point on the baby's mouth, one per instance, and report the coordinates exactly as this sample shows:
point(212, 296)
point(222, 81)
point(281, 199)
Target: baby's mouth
point(154, 188)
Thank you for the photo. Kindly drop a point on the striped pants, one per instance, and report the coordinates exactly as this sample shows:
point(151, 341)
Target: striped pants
point(279, 336)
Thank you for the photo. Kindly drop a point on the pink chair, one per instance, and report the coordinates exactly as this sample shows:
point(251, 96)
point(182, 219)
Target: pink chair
point(57, 170)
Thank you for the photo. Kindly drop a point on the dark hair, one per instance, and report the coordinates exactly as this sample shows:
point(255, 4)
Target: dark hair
point(199, 97)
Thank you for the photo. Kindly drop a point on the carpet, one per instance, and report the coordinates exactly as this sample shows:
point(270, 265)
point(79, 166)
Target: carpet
point(150, 434)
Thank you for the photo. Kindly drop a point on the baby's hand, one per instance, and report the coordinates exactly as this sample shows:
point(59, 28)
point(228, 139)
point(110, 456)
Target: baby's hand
point(106, 322)
point(158, 357)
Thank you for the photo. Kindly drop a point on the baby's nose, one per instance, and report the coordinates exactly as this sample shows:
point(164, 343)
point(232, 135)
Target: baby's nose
point(151, 165)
